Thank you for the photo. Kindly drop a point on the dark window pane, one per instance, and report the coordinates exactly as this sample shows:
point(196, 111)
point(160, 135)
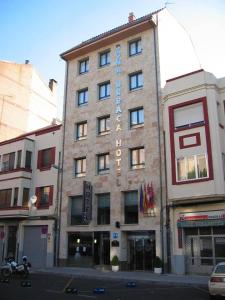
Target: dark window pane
point(5, 198)
point(191, 231)
point(219, 246)
point(25, 197)
point(28, 159)
point(18, 163)
point(46, 157)
point(219, 230)
point(131, 207)
point(76, 210)
point(15, 199)
point(44, 196)
point(103, 209)
point(205, 230)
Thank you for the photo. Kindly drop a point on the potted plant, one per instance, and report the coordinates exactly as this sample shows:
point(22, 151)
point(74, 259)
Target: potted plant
point(115, 263)
point(157, 265)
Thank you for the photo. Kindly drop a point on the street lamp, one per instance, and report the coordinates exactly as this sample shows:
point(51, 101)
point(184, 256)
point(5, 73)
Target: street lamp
point(58, 210)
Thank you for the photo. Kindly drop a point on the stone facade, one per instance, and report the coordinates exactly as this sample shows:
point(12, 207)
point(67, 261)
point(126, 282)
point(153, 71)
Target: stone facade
point(122, 136)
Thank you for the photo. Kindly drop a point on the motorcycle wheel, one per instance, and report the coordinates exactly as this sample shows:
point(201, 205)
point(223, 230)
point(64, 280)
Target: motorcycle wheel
point(5, 272)
point(25, 274)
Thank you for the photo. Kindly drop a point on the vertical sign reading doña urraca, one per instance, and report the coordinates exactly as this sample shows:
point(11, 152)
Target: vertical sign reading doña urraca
point(87, 202)
point(118, 112)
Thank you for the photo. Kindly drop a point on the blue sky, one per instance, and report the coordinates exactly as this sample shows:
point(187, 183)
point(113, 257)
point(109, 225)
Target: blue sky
point(39, 30)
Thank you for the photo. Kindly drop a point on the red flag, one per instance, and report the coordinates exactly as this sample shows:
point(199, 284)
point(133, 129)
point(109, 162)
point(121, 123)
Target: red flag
point(145, 202)
point(150, 196)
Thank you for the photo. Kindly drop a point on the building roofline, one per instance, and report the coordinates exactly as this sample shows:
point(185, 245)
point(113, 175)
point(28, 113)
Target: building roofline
point(106, 35)
point(37, 132)
point(185, 75)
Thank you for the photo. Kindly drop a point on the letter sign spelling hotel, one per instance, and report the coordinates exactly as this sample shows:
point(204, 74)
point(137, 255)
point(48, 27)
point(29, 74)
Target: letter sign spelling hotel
point(87, 202)
point(118, 112)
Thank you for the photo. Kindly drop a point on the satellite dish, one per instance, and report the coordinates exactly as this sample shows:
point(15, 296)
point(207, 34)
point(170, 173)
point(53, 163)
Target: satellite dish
point(33, 199)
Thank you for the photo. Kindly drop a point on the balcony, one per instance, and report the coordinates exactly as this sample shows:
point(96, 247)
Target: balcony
point(16, 173)
point(14, 212)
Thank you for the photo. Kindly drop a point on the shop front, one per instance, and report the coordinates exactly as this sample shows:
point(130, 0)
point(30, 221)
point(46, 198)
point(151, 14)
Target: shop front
point(203, 234)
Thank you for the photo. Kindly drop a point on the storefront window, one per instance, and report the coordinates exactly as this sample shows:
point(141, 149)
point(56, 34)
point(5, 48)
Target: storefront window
point(219, 248)
point(206, 250)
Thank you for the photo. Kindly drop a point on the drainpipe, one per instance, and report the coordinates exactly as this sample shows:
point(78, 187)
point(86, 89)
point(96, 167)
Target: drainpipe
point(61, 168)
point(159, 143)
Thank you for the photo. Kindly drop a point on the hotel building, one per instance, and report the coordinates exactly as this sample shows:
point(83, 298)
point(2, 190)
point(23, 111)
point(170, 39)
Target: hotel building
point(113, 187)
point(194, 123)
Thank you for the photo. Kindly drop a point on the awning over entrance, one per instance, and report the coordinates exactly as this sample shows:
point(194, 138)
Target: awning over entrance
point(205, 223)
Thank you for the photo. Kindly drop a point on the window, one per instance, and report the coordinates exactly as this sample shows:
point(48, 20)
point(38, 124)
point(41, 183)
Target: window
point(81, 132)
point(104, 90)
point(103, 213)
point(76, 210)
point(82, 97)
point(135, 47)
point(136, 117)
point(131, 207)
point(25, 200)
point(84, 66)
point(80, 167)
point(44, 196)
point(189, 115)
point(137, 158)
point(15, 198)
point(5, 198)
point(46, 158)
point(103, 163)
point(136, 80)
point(28, 159)
point(18, 162)
point(192, 167)
point(104, 58)
point(103, 125)
point(8, 161)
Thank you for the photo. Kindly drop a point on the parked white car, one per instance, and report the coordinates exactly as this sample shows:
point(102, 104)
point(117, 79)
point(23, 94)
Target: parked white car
point(216, 282)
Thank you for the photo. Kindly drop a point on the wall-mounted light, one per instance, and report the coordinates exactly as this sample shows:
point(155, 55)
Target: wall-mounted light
point(95, 241)
point(78, 241)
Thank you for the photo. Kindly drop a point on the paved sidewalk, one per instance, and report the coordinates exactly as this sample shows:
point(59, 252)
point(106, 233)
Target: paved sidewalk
point(123, 275)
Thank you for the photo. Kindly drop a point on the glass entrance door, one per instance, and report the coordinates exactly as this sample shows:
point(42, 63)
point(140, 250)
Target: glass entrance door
point(141, 252)
point(101, 248)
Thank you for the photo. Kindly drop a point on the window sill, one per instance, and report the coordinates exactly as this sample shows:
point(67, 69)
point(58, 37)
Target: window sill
point(103, 133)
point(189, 181)
point(103, 172)
point(104, 66)
point(82, 105)
point(45, 168)
point(80, 139)
point(104, 98)
point(136, 54)
point(137, 168)
point(79, 176)
point(137, 126)
point(83, 73)
point(136, 89)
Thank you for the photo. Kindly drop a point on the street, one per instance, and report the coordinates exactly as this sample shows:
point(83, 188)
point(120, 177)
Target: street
point(49, 286)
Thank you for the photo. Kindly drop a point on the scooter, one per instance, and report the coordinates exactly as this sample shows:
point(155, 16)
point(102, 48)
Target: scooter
point(12, 267)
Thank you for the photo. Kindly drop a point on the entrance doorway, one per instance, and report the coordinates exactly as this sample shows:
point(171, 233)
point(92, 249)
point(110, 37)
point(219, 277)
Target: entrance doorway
point(141, 251)
point(102, 248)
point(11, 243)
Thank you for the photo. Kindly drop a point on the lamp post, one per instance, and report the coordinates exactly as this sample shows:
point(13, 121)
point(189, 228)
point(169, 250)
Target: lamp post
point(58, 212)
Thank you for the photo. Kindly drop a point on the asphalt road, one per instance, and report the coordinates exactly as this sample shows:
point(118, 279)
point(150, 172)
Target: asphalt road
point(48, 286)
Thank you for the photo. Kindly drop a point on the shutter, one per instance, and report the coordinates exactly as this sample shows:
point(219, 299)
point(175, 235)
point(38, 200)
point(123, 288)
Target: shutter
point(39, 159)
point(52, 156)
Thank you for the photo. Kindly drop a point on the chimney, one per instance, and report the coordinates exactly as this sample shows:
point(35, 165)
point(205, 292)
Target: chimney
point(27, 61)
point(52, 85)
point(131, 17)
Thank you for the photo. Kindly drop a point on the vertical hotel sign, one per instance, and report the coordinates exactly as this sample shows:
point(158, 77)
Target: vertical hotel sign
point(118, 112)
point(87, 202)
